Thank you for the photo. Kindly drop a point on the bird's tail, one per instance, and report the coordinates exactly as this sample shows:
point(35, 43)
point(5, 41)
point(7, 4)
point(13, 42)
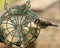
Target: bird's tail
point(54, 25)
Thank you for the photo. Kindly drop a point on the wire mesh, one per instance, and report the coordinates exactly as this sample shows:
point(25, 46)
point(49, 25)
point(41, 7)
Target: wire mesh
point(14, 29)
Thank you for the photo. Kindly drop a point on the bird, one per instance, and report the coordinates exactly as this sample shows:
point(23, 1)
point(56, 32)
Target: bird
point(39, 23)
point(44, 23)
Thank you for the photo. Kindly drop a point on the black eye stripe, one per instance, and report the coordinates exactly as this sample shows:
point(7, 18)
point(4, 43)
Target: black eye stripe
point(37, 21)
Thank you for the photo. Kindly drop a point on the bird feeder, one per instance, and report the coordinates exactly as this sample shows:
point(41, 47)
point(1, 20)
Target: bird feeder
point(16, 27)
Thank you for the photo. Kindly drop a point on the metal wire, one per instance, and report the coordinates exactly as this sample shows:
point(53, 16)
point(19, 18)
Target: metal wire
point(19, 19)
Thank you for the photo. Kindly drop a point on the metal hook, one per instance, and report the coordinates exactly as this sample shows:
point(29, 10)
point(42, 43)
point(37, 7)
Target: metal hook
point(6, 8)
point(5, 5)
point(28, 4)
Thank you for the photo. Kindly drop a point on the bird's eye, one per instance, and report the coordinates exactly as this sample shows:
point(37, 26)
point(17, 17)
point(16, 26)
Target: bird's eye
point(37, 21)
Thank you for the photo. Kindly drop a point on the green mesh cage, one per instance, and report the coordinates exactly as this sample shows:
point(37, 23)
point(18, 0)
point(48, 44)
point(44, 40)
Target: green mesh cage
point(14, 28)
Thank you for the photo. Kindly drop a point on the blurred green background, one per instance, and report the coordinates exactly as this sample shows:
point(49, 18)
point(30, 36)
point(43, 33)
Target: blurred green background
point(3, 1)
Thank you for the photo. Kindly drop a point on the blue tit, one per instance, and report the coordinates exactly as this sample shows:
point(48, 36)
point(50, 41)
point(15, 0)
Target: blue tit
point(44, 23)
